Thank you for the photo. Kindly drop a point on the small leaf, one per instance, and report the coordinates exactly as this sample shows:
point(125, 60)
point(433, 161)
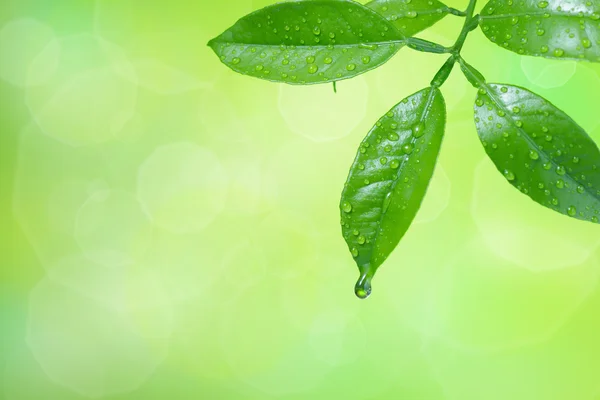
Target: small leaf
point(410, 17)
point(552, 28)
point(308, 42)
point(540, 150)
point(388, 180)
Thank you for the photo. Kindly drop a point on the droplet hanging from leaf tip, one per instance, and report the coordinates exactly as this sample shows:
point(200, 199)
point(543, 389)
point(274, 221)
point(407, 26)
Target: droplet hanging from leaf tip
point(362, 289)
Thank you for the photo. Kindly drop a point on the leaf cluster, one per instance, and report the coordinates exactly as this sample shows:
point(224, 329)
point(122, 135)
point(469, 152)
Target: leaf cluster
point(539, 149)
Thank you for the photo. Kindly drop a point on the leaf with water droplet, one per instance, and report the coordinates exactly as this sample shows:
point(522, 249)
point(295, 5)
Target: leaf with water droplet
point(552, 29)
point(410, 17)
point(380, 199)
point(546, 155)
point(325, 41)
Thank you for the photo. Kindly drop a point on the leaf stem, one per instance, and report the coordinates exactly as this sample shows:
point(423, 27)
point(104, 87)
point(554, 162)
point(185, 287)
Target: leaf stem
point(456, 12)
point(471, 23)
point(426, 46)
point(444, 72)
point(474, 77)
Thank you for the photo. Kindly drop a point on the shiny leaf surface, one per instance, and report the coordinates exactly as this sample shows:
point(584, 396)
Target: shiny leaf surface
point(561, 29)
point(308, 42)
point(540, 150)
point(389, 178)
point(410, 16)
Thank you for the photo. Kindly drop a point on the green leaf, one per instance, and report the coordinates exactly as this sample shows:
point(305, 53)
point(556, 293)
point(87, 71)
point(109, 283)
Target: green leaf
point(410, 16)
point(388, 180)
point(540, 150)
point(553, 29)
point(308, 42)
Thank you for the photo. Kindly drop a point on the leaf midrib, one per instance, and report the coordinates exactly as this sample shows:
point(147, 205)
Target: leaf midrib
point(524, 134)
point(536, 14)
point(336, 46)
point(426, 110)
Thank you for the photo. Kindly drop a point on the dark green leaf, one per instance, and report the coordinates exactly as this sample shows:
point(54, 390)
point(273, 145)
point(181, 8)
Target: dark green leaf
point(388, 180)
point(410, 16)
point(308, 42)
point(554, 28)
point(540, 150)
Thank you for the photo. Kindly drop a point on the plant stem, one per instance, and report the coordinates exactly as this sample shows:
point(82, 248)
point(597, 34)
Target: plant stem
point(456, 12)
point(471, 23)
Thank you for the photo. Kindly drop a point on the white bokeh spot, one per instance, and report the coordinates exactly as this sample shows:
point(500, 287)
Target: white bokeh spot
point(21, 42)
point(112, 229)
point(319, 114)
point(87, 346)
point(182, 187)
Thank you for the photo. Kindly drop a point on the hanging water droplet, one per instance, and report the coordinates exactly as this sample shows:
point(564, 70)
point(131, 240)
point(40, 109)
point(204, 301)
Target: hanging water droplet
point(362, 289)
point(354, 252)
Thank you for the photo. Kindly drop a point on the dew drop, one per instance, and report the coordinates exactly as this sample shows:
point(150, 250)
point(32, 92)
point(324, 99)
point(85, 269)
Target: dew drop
point(394, 164)
point(346, 207)
point(312, 69)
point(419, 130)
point(361, 239)
point(236, 61)
point(509, 175)
point(354, 252)
point(560, 170)
point(328, 60)
point(351, 67)
point(559, 52)
point(533, 155)
point(572, 211)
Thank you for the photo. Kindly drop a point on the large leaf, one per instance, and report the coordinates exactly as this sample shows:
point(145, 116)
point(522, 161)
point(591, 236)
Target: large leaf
point(540, 150)
point(388, 180)
point(410, 16)
point(308, 42)
point(562, 29)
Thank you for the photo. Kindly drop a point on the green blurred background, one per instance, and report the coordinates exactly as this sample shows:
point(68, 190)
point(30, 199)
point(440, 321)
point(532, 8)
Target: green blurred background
point(170, 229)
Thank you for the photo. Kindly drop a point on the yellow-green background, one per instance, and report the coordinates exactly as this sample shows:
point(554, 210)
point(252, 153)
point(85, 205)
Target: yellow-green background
point(170, 230)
